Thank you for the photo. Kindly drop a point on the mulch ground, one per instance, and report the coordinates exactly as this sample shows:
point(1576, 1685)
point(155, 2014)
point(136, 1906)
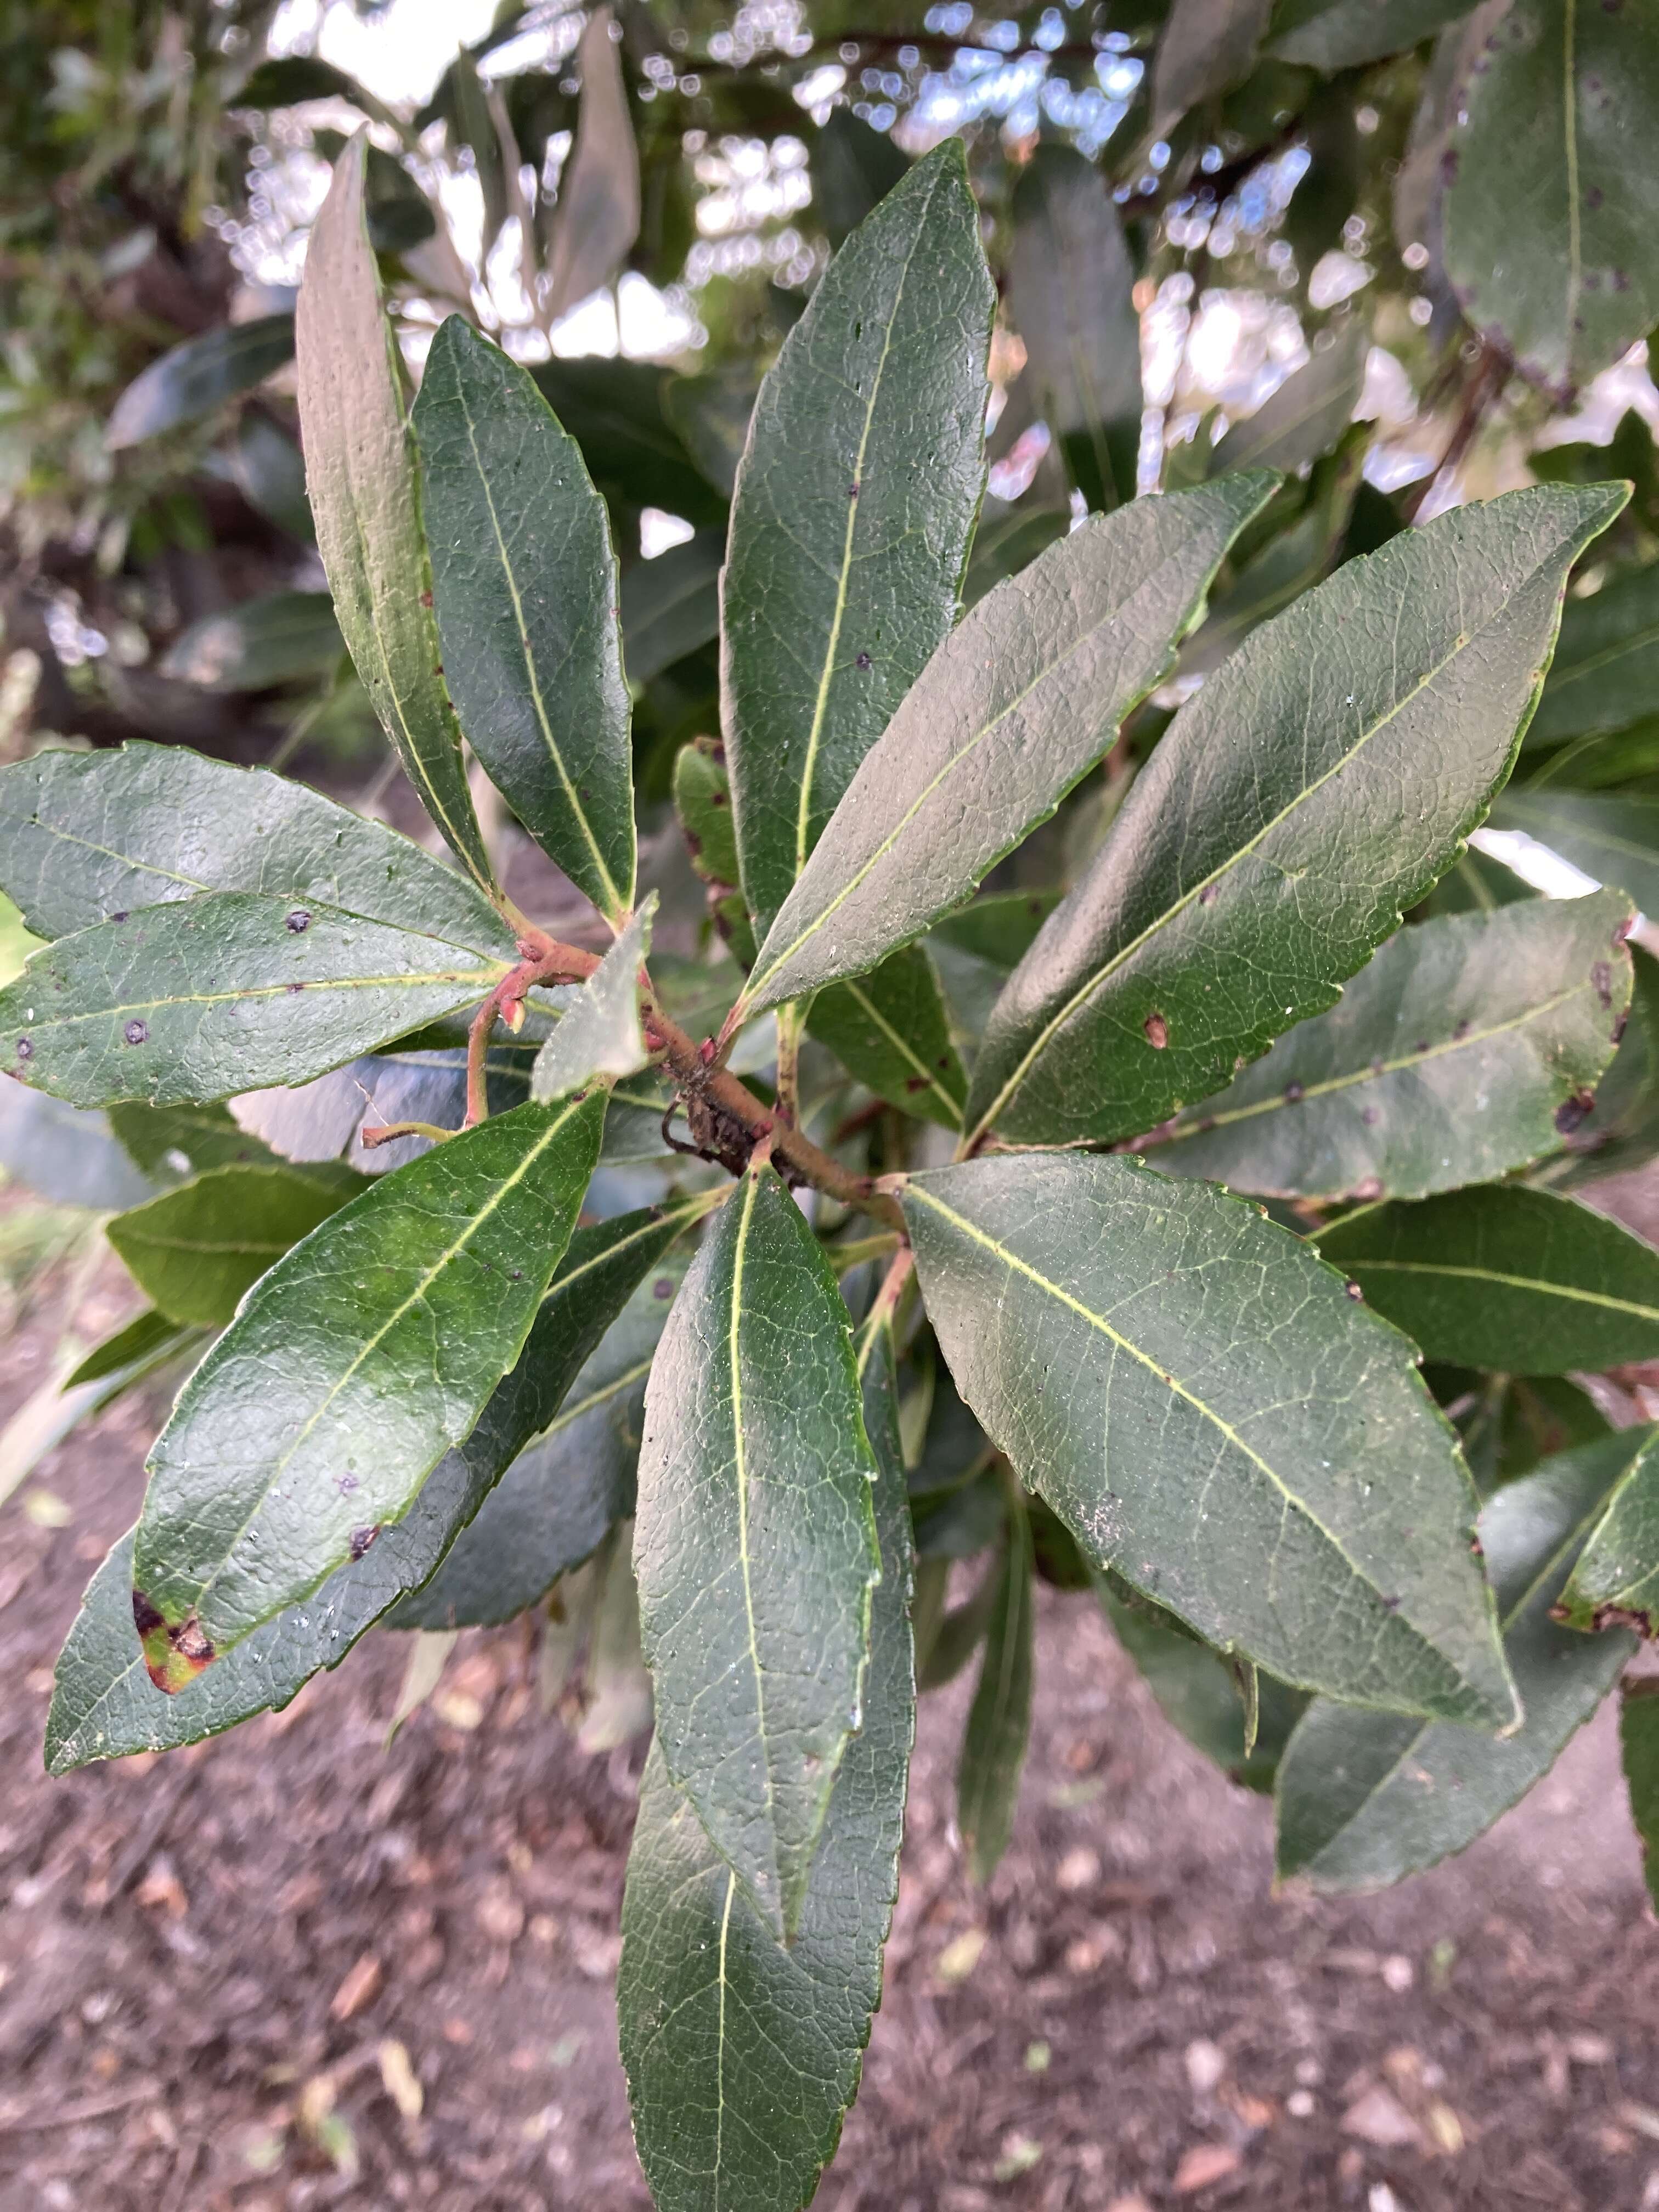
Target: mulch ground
point(298, 1967)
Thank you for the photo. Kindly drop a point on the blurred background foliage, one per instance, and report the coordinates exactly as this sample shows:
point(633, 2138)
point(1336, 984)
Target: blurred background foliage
point(1216, 224)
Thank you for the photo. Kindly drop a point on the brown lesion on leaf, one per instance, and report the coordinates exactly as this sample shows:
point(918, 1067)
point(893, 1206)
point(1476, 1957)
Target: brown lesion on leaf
point(175, 1652)
point(1610, 1616)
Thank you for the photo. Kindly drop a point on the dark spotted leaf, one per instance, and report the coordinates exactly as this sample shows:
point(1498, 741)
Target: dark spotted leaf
point(741, 2056)
point(525, 583)
point(854, 505)
point(197, 999)
point(365, 500)
point(1180, 953)
point(86, 836)
point(1230, 1468)
point(1517, 1280)
point(1615, 1581)
point(1365, 1799)
point(349, 1371)
point(1578, 87)
point(754, 1544)
point(1462, 1051)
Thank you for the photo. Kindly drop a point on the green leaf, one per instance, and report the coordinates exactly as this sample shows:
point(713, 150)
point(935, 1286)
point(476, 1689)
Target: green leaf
point(670, 605)
point(1340, 34)
point(1018, 704)
point(999, 1718)
point(141, 1339)
point(1180, 951)
point(199, 999)
point(598, 1032)
point(65, 1156)
point(892, 1031)
point(1365, 1799)
point(171, 1144)
point(1613, 836)
point(1516, 1281)
point(1605, 667)
point(267, 470)
point(277, 638)
point(597, 217)
point(1615, 1581)
point(754, 1544)
point(365, 500)
point(195, 1250)
point(593, 1345)
point(703, 800)
point(1638, 1740)
point(1578, 87)
point(349, 1371)
point(104, 1705)
point(743, 2057)
point(1474, 884)
point(1070, 294)
point(853, 167)
point(85, 838)
point(526, 598)
point(1306, 415)
point(616, 412)
point(1197, 1691)
point(198, 378)
point(1623, 1132)
point(1460, 1053)
point(1207, 47)
point(854, 505)
point(1284, 1484)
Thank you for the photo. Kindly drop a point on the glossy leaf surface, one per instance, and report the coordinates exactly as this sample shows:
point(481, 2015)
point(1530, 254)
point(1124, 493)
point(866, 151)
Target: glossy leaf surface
point(753, 1542)
point(1565, 277)
point(1365, 1799)
point(1018, 702)
point(1262, 853)
point(86, 836)
point(597, 1330)
point(855, 504)
point(360, 473)
point(389, 1329)
point(197, 1001)
point(743, 2056)
point(526, 585)
point(1209, 1415)
point(195, 1250)
point(1615, 1581)
point(892, 1030)
point(1516, 1281)
point(1462, 1051)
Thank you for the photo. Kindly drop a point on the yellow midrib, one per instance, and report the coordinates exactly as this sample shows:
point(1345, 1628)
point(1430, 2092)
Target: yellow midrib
point(1536, 1285)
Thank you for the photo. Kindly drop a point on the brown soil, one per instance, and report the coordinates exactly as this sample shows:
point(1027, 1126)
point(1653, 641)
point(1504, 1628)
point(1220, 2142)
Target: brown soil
point(223, 1974)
